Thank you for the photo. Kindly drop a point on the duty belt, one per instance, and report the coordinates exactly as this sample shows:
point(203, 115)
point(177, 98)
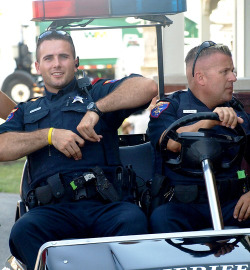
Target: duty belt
point(92, 184)
point(227, 190)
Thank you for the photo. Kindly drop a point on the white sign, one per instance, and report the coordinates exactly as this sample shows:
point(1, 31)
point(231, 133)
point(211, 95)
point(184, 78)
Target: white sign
point(100, 43)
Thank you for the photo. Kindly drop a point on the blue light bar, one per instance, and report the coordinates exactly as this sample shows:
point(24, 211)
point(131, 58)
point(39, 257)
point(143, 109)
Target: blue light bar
point(139, 7)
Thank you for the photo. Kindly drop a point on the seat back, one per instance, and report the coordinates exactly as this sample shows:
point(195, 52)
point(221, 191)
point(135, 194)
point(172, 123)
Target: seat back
point(140, 157)
point(24, 187)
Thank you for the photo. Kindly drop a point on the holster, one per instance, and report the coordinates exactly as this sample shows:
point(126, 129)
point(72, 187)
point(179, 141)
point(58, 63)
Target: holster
point(125, 183)
point(161, 191)
point(104, 187)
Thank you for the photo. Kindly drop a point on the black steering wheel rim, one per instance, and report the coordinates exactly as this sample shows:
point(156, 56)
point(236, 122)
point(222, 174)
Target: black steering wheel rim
point(170, 133)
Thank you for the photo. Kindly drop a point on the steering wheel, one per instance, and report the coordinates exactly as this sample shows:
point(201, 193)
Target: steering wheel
point(204, 144)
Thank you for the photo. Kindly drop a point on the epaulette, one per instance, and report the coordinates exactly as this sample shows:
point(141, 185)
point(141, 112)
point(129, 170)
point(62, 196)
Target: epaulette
point(33, 99)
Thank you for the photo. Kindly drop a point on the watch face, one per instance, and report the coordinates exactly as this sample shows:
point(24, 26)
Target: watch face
point(90, 105)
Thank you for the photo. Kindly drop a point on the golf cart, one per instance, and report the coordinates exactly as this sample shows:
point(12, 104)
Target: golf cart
point(217, 248)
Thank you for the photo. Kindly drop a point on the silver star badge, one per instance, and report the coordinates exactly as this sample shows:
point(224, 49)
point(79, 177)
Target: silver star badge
point(77, 99)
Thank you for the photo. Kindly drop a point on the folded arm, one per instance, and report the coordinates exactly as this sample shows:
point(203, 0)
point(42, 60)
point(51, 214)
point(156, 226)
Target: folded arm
point(132, 93)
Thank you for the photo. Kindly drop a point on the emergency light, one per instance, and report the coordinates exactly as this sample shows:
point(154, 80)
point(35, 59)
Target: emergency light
point(57, 9)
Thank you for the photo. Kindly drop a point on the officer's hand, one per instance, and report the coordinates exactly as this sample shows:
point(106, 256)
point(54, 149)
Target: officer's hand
point(86, 127)
point(68, 143)
point(228, 117)
point(222, 247)
point(242, 208)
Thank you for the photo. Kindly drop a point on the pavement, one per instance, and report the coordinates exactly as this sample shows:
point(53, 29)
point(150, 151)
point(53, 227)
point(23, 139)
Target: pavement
point(8, 204)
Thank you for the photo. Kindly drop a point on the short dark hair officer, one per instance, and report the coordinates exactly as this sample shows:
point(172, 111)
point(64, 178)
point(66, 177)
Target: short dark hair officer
point(70, 139)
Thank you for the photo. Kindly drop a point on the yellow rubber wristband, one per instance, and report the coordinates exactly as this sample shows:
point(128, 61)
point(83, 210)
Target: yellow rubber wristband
point(50, 136)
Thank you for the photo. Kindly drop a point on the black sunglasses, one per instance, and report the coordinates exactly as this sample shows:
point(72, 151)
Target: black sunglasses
point(50, 32)
point(204, 45)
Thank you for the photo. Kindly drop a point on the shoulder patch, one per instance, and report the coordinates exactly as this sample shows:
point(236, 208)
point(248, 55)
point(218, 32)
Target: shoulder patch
point(110, 81)
point(12, 113)
point(159, 108)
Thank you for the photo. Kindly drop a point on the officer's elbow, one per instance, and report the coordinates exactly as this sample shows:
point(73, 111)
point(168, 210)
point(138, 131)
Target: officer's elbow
point(4, 149)
point(8, 156)
point(153, 88)
point(2, 155)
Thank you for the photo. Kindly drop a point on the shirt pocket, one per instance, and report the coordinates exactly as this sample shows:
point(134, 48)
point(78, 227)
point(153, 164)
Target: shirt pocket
point(36, 120)
point(72, 115)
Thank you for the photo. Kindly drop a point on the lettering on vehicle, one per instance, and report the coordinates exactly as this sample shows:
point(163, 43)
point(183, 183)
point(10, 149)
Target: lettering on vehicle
point(213, 267)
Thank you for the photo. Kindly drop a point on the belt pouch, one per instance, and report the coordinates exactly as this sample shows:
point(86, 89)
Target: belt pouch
point(56, 185)
point(186, 194)
point(43, 195)
point(54, 189)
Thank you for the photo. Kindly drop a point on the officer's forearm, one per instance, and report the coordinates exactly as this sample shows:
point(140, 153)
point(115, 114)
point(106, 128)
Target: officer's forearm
point(132, 93)
point(175, 146)
point(15, 145)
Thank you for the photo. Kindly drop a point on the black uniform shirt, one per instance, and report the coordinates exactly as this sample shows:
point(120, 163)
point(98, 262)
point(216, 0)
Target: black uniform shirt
point(65, 110)
point(170, 109)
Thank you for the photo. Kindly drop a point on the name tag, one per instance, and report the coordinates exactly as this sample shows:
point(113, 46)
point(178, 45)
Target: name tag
point(37, 109)
point(189, 111)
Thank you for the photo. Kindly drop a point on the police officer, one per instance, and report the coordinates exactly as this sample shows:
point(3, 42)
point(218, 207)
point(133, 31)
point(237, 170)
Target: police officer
point(6, 105)
point(64, 134)
point(210, 74)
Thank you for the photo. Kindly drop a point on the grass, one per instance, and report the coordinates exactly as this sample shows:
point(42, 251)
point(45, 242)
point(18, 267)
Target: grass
point(10, 176)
